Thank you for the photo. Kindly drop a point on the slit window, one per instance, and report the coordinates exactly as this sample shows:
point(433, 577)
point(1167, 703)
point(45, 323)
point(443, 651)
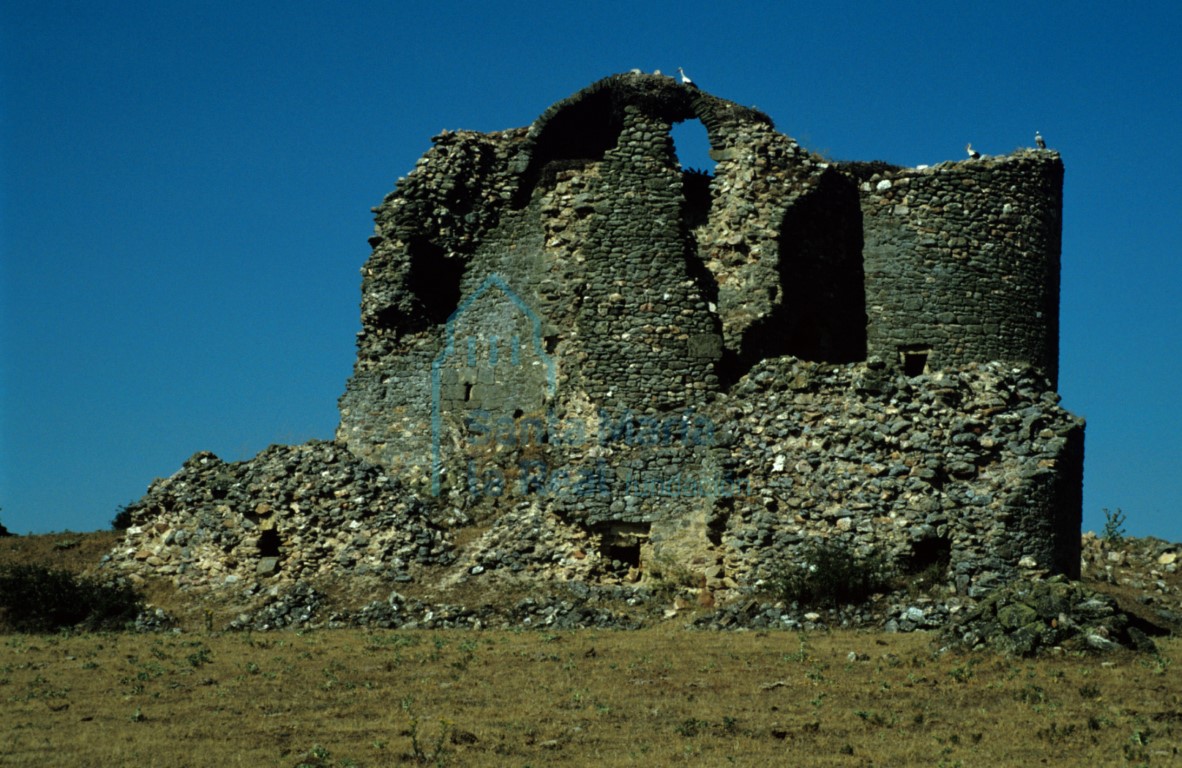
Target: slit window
point(269, 543)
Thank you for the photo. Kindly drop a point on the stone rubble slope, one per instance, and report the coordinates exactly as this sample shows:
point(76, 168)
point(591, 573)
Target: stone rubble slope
point(289, 513)
point(1025, 617)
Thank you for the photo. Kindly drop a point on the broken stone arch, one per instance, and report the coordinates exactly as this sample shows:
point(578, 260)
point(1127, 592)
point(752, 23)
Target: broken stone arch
point(583, 127)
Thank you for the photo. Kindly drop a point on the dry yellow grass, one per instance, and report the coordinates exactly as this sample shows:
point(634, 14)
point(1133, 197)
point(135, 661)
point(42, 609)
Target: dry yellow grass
point(496, 698)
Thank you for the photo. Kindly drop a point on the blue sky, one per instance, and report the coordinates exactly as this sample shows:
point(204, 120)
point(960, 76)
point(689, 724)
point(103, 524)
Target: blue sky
point(185, 194)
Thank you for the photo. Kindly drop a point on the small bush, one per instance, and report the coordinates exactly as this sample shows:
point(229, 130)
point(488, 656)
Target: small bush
point(34, 598)
point(829, 573)
point(1114, 526)
point(669, 578)
point(122, 519)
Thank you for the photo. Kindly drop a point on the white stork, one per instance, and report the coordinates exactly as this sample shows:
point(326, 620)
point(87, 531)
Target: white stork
point(1039, 141)
point(974, 154)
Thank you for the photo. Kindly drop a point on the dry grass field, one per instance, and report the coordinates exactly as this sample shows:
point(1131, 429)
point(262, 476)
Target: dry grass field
point(660, 696)
point(497, 698)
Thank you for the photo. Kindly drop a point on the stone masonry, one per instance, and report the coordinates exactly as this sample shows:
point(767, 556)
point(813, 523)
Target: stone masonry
point(605, 363)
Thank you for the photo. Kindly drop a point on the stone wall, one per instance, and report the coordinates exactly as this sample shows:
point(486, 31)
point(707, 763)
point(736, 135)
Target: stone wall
point(970, 468)
point(598, 361)
point(962, 261)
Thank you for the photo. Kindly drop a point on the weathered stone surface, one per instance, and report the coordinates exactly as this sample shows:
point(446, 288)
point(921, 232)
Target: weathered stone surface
point(1028, 617)
point(291, 512)
point(585, 363)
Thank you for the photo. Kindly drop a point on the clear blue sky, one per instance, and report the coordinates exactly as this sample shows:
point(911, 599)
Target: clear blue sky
point(185, 192)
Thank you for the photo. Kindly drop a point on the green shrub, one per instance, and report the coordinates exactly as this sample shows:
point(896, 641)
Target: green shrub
point(829, 573)
point(122, 519)
point(34, 598)
point(1114, 526)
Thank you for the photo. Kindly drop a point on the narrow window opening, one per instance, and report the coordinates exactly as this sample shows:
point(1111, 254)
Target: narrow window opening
point(719, 517)
point(269, 543)
point(691, 143)
point(915, 361)
point(467, 392)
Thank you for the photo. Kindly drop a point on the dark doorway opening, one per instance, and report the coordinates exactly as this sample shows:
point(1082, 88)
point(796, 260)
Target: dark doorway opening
point(621, 544)
point(915, 361)
point(269, 543)
point(930, 555)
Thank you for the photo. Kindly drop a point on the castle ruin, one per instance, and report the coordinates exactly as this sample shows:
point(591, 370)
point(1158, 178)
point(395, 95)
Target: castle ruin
point(603, 361)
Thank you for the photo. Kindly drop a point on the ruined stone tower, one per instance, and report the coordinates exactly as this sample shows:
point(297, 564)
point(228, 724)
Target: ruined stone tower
point(580, 362)
point(721, 368)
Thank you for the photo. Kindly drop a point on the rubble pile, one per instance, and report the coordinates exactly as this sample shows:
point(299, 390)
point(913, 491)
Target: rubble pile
point(289, 513)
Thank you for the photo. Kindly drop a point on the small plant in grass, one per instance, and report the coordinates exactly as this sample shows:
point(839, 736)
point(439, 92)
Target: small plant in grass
point(830, 573)
point(1114, 526)
point(420, 755)
point(801, 655)
point(200, 657)
point(316, 757)
point(691, 727)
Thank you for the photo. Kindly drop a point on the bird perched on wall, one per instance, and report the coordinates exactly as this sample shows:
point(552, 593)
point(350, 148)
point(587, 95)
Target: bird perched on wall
point(1039, 141)
point(684, 78)
point(974, 154)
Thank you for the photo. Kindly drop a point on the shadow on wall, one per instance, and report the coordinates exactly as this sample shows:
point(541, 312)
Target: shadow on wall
point(434, 280)
point(820, 295)
point(580, 133)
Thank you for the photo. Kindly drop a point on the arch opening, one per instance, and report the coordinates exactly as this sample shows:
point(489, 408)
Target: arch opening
point(691, 143)
point(576, 135)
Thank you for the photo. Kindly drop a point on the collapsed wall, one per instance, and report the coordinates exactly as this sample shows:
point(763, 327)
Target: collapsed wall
point(294, 512)
point(601, 363)
point(603, 298)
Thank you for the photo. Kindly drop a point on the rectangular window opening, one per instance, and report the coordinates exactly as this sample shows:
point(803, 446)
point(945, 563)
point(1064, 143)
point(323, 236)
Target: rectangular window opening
point(915, 361)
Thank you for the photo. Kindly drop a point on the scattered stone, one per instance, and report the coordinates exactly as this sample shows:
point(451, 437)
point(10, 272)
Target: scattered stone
point(1028, 617)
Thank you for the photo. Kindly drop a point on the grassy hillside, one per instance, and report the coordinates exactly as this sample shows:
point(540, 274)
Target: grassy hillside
point(659, 696)
point(651, 697)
